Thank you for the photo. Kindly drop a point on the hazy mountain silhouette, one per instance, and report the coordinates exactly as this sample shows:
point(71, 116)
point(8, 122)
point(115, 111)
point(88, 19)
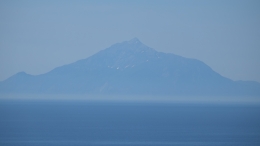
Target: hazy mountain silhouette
point(131, 68)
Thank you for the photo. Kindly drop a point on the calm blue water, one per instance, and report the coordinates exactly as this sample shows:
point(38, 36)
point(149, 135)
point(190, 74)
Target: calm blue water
point(78, 123)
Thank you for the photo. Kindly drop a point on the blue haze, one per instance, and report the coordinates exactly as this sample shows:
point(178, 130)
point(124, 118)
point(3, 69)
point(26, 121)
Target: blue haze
point(37, 36)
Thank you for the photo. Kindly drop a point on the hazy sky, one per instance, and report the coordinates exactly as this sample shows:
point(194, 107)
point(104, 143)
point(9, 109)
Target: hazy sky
point(37, 36)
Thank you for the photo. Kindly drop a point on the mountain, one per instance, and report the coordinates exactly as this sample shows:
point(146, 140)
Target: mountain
point(131, 68)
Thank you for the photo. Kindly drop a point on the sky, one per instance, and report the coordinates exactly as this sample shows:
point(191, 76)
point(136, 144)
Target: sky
point(37, 36)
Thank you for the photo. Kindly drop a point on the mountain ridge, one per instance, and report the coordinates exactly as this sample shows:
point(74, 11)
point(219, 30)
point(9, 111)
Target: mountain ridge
point(127, 68)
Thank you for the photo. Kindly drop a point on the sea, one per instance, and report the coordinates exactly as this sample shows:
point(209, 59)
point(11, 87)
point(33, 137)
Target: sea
point(127, 123)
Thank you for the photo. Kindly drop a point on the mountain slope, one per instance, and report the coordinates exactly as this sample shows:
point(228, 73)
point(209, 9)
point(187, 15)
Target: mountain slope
point(131, 67)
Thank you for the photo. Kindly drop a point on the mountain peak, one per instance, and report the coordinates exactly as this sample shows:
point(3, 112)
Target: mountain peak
point(133, 45)
point(134, 41)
